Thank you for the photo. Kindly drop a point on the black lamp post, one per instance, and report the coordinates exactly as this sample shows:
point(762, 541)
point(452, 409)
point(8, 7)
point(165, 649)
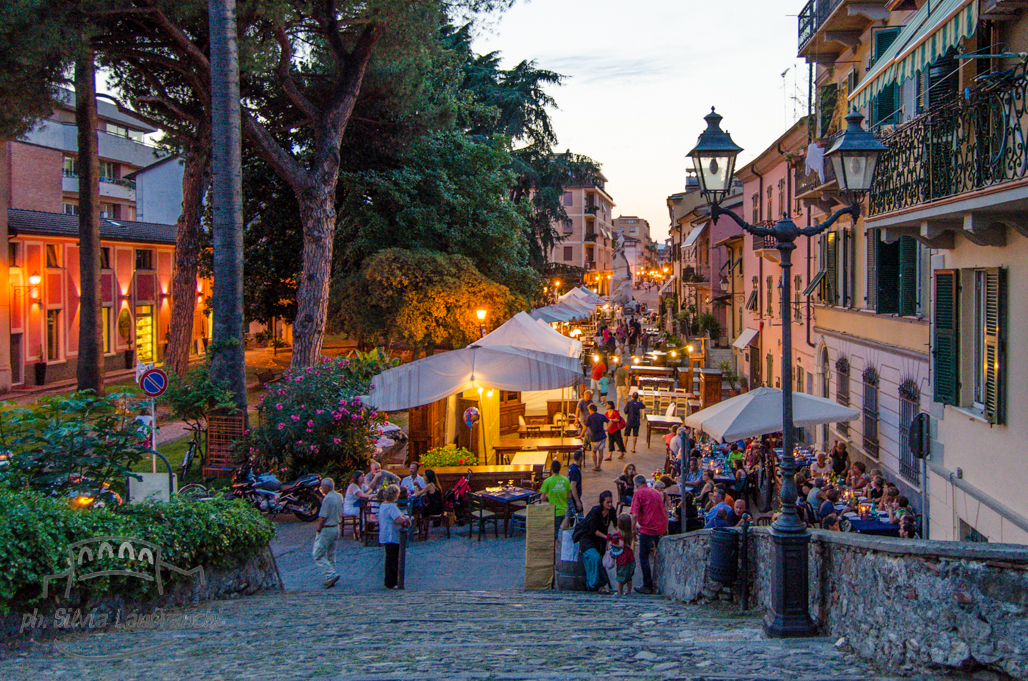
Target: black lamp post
point(854, 156)
point(481, 322)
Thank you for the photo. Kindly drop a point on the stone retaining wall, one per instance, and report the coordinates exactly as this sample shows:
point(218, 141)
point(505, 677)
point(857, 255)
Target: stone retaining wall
point(904, 604)
point(257, 572)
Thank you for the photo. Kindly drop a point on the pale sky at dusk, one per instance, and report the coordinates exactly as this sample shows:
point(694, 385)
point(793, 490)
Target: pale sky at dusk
point(641, 76)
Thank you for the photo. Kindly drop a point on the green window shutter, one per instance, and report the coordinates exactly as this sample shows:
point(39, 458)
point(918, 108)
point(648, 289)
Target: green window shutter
point(873, 238)
point(908, 252)
point(888, 277)
point(947, 349)
point(995, 344)
point(883, 40)
point(831, 267)
point(884, 108)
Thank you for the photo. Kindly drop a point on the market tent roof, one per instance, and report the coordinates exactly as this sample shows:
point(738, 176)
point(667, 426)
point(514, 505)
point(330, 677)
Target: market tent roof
point(759, 412)
point(745, 338)
point(694, 235)
point(578, 308)
point(502, 367)
point(587, 295)
point(548, 314)
point(930, 32)
point(521, 331)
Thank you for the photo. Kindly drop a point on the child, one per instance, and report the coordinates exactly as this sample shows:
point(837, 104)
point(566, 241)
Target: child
point(621, 541)
point(390, 519)
point(604, 385)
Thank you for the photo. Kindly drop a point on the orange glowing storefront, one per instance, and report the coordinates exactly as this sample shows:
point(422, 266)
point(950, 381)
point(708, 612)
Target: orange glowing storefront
point(135, 282)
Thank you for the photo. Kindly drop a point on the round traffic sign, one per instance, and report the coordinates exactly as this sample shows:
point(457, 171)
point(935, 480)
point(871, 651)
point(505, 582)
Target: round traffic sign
point(154, 382)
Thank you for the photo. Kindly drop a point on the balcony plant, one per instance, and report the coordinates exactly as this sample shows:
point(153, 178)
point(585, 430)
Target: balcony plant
point(725, 367)
point(708, 323)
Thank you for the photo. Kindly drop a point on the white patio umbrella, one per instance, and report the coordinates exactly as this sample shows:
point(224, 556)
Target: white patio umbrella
point(760, 411)
point(501, 367)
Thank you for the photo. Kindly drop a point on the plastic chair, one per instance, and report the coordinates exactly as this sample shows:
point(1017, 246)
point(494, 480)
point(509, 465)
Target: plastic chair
point(670, 410)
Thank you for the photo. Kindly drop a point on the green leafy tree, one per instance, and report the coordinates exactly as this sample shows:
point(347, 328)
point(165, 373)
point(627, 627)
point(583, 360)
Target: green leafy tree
point(194, 397)
point(425, 298)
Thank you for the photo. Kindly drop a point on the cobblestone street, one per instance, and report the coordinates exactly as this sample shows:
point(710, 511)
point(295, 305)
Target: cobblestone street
point(443, 635)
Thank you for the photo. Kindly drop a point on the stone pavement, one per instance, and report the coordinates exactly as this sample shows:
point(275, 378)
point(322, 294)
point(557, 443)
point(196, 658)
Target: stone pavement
point(444, 635)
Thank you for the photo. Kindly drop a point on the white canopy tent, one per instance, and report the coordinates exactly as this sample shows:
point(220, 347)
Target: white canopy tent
point(550, 314)
point(521, 331)
point(584, 295)
point(759, 412)
point(502, 367)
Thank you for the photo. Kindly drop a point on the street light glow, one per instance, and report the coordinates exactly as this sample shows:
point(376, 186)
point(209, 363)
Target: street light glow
point(481, 315)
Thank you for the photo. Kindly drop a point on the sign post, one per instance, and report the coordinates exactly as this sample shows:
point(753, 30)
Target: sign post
point(153, 382)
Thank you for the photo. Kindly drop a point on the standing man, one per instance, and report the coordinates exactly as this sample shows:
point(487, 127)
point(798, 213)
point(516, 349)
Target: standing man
point(575, 477)
point(633, 416)
point(599, 369)
point(327, 533)
point(582, 412)
point(621, 383)
point(633, 335)
point(597, 426)
point(555, 491)
point(650, 517)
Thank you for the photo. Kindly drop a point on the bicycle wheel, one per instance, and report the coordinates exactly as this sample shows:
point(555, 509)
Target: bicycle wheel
point(196, 492)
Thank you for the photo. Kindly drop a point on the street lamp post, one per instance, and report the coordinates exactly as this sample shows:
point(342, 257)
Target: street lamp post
point(481, 323)
point(854, 157)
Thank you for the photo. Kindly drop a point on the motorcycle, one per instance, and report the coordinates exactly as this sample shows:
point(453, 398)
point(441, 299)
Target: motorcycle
point(301, 497)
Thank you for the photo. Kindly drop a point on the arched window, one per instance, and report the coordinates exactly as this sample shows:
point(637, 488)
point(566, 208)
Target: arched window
point(871, 412)
point(910, 406)
point(842, 389)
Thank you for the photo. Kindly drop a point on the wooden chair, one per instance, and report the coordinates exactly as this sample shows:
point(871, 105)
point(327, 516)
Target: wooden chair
point(477, 514)
point(519, 517)
point(369, 519)
point(424, 525)
point(354, 520)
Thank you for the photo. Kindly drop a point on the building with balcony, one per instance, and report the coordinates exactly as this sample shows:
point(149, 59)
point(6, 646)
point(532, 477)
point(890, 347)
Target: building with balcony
point(640, 251)
point(912, 313)
point(954, 181)
point(588, 235)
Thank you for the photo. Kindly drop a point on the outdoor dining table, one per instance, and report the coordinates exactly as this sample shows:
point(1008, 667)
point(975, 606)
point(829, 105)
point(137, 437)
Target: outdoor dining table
point(506, 497)
point(874, 526)
point(660, 424)
point(565, 446)
point(548, 430)
point(538, 460)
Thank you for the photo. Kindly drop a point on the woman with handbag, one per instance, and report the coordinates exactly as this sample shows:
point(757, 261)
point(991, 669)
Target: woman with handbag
point(591, 535)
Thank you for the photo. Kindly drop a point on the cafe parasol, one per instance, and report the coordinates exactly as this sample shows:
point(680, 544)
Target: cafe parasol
point(759, 412)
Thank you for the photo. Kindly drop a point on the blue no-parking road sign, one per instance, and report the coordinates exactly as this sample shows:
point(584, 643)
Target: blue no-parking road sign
point(154, 382)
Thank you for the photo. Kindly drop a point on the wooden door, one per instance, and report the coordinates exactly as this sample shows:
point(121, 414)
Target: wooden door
point(426, 428)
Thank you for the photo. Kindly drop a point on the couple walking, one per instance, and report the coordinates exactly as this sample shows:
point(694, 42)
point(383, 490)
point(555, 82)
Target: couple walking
point(607, 430)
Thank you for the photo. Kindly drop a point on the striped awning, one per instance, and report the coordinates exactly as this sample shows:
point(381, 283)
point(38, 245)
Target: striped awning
point(934, 29)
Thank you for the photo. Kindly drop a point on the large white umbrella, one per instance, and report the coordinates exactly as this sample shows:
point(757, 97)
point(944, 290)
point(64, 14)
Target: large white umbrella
point(522, 331)
point(759, 412)
point(501, 367)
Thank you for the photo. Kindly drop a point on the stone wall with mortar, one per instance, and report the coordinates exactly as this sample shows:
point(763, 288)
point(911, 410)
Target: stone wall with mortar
point(905, 604)
point(249, 575)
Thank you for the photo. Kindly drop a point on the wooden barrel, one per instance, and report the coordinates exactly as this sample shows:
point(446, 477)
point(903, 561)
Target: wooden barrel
point(570, 575)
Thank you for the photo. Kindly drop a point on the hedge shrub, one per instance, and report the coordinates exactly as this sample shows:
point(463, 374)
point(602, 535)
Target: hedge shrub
point(35, 532)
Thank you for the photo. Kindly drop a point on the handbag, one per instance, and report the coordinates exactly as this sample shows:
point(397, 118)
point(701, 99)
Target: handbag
point(608, 560)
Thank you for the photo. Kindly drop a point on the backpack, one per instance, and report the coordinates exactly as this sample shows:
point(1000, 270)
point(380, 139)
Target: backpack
point(581, 529)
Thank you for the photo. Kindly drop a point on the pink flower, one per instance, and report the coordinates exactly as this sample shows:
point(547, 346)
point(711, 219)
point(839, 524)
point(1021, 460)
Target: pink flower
point(310, 424)
point(281, 426)
point(374, 414)
point(299, 442)
point(336, 440)
point(246, 432)
point(310, 369)
point(297, 379)
point(320, 411)
point(356, 400)
point(342, 401)
point(309, 430)
point(278, 406)
point(336, 415)
point(355, 417)
point(295, 417)
point(372, 386)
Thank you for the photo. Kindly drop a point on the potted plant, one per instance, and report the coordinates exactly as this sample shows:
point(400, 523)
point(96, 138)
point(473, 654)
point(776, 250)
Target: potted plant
point(729, 375)
point(709, 322)
point(41, 368)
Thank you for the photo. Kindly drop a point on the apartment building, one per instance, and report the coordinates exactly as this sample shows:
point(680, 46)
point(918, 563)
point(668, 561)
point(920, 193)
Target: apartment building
point(640, 251)
point(588, 234)
point(914, 311)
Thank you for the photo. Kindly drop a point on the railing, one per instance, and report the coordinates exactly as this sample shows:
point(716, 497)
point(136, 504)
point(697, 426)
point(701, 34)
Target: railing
point(812, 16)
point(590, 237)
point(977, 142)
point(591, 210)
point(764, 242)
point(806, 182)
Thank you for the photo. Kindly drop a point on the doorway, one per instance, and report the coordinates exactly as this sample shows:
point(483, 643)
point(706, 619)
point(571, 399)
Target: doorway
point(144, 334)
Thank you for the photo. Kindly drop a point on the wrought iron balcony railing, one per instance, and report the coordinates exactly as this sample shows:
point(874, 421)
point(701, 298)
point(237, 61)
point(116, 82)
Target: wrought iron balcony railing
point(976, 142)
point(591, 236)
point(591, 210)
point(812, 16)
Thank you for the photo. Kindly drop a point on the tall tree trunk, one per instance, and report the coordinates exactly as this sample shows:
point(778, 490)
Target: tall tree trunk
point(318, 214)
point(195, 180)
point(227, 357)
point(90, 371)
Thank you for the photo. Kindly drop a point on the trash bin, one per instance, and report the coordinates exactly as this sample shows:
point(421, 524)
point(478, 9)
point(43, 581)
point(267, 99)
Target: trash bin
point(723, 564)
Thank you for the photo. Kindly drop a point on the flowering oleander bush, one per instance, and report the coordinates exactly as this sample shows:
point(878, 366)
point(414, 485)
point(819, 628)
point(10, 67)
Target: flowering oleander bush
point(450, 455)
point(313, 421)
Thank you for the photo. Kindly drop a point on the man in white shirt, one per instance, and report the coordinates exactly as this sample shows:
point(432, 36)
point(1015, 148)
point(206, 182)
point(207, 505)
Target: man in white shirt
point(327, 532)
point(413, 483)
point(820, 468)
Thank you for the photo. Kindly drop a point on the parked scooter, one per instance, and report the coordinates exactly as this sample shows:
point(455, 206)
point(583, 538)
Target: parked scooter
point(301, 497)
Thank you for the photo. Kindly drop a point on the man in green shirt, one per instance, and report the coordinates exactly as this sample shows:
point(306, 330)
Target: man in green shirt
point(555, 491)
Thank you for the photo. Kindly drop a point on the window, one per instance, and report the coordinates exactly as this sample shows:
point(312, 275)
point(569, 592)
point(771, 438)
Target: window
point(13, 255)
point(71, 208)
point(144, 259)
point(568, 253)
point(569, 227)
point(910, 405)
point(782, 205)
point(756, 208)
point(53, 335)
point(986, 346)
point(53, 255)
point(770, 297)
point(769, 211)
point(105, 258)
point(893, 275)
point(842, 390)
point(106, 210)
point(121, 131)
point(569, 199)
point(828, 276)
point(799, 312)
point(71, 166)
point(105, 323)
point(107, 173)
point(871, 412)
point(631, 230)
point(799, 378)
point(884, 107)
